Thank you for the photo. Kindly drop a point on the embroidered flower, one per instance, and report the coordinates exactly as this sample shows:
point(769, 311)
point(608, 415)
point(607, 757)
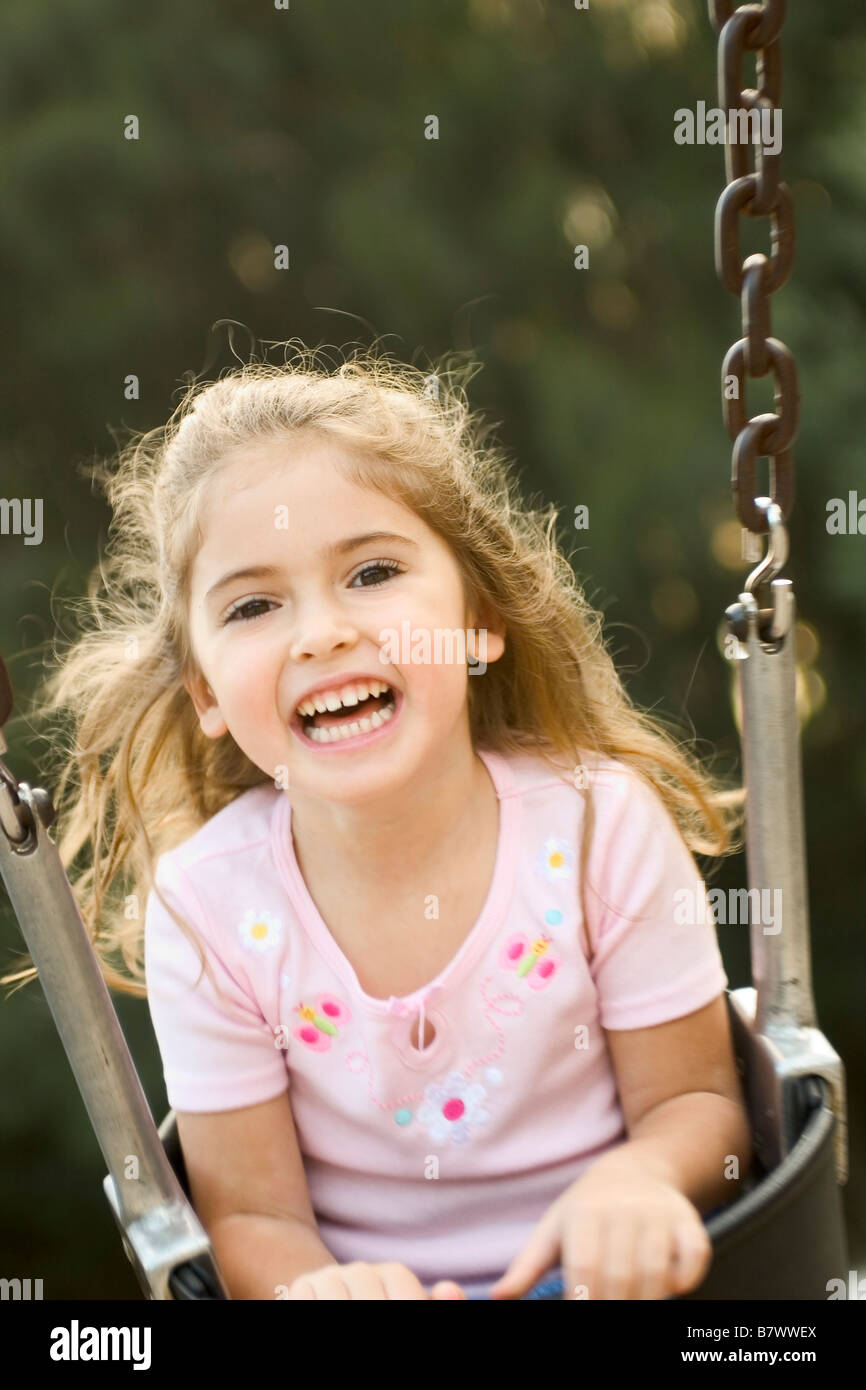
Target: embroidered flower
point(260, 931)
point(532, 960)
point(452, 1109)
point(556, 860)
point(321, 1021)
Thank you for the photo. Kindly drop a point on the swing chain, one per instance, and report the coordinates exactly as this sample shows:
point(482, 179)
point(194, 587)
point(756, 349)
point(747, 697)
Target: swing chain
point(755, 28)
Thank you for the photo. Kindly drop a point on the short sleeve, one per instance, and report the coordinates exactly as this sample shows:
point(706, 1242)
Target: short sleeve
point(656, 953)
point(218, 1051)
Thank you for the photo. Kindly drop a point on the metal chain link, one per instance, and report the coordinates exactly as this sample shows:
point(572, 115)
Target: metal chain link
point(758, 193)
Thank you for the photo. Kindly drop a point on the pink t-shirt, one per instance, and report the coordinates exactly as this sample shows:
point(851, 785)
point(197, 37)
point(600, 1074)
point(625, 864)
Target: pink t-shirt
point(442, 1156)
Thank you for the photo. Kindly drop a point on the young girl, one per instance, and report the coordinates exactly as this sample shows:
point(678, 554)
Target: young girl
point(430, 1017)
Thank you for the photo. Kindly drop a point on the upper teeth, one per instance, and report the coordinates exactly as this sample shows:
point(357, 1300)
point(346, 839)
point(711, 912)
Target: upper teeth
point(347, 695)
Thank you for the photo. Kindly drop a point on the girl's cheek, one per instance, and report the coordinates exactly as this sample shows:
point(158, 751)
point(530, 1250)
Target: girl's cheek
point(250, 682)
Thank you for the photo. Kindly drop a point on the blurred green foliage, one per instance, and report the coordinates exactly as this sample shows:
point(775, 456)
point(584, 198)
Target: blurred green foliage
point(306, 127)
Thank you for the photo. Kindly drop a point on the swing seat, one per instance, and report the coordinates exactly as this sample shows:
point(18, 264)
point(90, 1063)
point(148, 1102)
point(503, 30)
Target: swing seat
point(782, 1238)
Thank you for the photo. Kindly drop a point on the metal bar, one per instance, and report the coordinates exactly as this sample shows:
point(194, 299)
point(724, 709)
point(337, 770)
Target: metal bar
point(160, 1227)
point(780, 1010)
point(775, 840)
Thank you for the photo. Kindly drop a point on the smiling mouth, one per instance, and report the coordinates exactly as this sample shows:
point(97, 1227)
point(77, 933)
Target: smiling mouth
point(350, 720)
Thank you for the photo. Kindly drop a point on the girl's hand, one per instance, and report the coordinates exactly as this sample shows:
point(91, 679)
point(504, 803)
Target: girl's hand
point(360, 1280)
point(619, 1233)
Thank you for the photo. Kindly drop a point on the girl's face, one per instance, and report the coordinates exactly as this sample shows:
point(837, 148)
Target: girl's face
point(314, 607)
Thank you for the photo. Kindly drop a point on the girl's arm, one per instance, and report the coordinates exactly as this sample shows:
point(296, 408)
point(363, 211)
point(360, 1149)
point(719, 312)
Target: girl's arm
point(630, 1226)
point(683, 1105)
point(249, 1190)
point(259, 1256)
point(698, 1143)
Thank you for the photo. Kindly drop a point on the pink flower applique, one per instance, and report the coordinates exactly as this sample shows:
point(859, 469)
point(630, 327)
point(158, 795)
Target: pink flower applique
point(531, 960)
point(452, 1109)
point(321, 1021)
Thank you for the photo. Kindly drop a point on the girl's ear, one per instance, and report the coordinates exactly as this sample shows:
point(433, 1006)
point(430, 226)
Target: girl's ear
point(486, 636)
point(209, 716)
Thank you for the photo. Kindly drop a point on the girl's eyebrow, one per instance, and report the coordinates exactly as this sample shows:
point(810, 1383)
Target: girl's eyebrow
point(328, 552)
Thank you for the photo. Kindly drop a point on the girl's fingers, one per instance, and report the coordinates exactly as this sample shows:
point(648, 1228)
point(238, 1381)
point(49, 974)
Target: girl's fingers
point(618, 1260)
point(655, 1251)
point(581, 1258)
point(447, 1288)
point(402, 1283)
point(538, 1255)
point(301, 1289)
point(692, 1256)
point(632, 1254)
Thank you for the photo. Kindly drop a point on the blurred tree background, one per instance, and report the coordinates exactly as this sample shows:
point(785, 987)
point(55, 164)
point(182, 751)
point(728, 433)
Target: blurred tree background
point(306, 127)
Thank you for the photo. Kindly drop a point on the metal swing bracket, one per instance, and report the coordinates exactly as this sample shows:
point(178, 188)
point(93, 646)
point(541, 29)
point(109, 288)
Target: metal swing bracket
point(161, 1232)
point(779, 1011)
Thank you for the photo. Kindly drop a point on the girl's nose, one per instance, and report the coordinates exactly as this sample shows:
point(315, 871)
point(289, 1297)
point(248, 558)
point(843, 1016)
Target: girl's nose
point(320, 632)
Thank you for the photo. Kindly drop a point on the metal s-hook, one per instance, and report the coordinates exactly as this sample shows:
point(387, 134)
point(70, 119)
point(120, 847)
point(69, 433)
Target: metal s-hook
point(773, 621)
point(777, 549)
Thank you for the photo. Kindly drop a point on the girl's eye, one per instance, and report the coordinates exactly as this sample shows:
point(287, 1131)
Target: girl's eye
point(242, 608)
point(387, 567)
point(242, 614)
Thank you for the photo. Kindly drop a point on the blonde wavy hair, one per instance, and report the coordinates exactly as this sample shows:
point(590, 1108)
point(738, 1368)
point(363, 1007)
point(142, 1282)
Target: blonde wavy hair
point(135, 775)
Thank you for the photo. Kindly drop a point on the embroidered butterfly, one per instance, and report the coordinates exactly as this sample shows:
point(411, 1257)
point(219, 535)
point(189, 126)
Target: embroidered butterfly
point(532, 960)
point(320, 1022)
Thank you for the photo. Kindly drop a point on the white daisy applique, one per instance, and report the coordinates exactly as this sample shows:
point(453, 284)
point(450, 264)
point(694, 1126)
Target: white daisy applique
point(556, 859)
point(259, 931)
point(453, 1109)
